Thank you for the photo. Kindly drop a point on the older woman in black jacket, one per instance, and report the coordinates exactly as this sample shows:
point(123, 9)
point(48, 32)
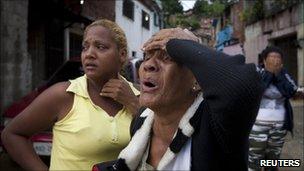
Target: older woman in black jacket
point(184, 128)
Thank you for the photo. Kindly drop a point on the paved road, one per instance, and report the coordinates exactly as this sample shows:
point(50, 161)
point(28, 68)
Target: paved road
point(293, 148)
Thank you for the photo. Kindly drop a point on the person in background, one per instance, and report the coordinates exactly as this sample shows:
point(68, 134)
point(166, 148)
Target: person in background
point(90, 115)
point(201, 105)
point(275, 115)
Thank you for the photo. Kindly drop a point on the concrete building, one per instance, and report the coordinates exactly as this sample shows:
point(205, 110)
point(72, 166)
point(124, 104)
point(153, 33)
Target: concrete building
point(257, 24)
point(140, 20)
point(36, 36)
point(282, 26)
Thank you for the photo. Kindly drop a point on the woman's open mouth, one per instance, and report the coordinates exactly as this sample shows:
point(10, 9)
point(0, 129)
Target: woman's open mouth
point(148, 85)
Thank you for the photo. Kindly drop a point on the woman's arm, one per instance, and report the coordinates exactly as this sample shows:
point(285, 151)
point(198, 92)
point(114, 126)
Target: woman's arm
point(266, 76)
point(231, 89)
point(40, 115)
point(285, 84)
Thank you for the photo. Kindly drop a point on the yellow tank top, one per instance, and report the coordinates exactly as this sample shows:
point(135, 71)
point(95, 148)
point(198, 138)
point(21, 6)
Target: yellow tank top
point(87, 134)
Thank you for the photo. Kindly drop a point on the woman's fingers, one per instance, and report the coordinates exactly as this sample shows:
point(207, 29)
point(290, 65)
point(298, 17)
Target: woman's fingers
point(159, 40)
point(108, 94)
point(117, 89)
point(156, 44)
point(164, 33)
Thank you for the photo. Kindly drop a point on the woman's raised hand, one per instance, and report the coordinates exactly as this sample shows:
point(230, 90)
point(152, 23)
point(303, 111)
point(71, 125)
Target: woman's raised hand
point(160, 39)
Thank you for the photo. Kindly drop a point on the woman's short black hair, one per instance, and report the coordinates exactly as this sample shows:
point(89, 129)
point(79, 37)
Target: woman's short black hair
point(270, 49)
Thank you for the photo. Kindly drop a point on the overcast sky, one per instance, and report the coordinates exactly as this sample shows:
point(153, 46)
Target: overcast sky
point(187, 4)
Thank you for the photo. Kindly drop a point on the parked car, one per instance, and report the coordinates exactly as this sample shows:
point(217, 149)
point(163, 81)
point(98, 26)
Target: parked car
point(42, 141)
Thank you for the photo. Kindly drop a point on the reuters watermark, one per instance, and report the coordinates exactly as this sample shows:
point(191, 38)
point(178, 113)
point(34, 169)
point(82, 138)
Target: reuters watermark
point(281, 163)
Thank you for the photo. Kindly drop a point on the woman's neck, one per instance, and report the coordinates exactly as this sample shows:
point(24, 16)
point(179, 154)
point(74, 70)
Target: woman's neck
point(166, 121)
point(96, 85)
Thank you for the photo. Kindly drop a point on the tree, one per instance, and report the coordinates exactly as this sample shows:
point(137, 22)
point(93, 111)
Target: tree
point(189, 22)
point(170, 8)
point(200, 7)
point(214, 9)
point(253, 13)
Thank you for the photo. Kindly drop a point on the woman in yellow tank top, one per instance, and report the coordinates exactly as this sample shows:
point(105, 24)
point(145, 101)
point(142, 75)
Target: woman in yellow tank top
point(90, 115)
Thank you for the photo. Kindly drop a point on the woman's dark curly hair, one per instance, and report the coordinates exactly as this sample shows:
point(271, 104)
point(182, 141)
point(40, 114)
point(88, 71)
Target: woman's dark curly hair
point(270, 49)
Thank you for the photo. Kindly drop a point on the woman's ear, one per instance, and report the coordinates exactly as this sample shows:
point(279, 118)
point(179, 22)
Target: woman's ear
point(123, 56)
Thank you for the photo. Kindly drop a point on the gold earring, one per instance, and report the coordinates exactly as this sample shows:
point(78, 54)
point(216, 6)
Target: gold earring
point(194, 88)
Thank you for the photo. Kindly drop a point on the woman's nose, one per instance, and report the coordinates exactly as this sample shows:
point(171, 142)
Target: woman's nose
point(89, 53)
point(150, 65)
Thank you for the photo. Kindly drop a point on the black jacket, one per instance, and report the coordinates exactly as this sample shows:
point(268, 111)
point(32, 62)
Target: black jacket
point(287, 87)
point(232, 91)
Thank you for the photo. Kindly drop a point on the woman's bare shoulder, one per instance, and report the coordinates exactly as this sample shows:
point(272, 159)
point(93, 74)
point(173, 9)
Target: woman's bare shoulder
point(55, 99)
point(58, 93)
point(58, 90)
point(56, 96)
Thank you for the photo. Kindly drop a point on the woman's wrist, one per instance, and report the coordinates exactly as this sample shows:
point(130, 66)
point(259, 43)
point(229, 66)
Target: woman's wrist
point(133, 105)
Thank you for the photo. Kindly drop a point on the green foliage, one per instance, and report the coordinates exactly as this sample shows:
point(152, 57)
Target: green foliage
point(214, 9)
point(171, 7)
point(199, 7)
point(258, 9)
point(253, 13)
point(263, 9)
point(191, 23)
point(245, 15)
point(226, 2)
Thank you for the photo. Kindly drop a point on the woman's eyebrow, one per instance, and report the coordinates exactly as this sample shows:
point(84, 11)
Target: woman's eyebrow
point(96, 41)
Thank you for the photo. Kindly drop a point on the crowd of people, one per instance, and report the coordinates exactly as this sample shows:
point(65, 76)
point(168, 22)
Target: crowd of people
point(197, 109)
